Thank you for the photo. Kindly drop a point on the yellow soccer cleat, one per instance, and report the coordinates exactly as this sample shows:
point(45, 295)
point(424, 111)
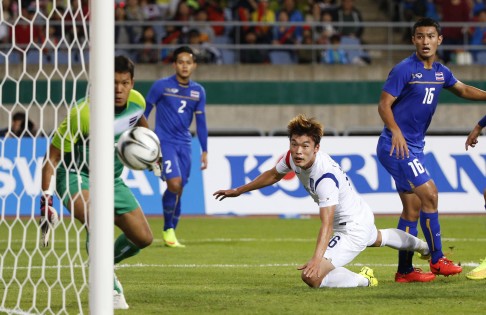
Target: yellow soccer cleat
point(478, 273)
point(367, 272)
point(170, 239)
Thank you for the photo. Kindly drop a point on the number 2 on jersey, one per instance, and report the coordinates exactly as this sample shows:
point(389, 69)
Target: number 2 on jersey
point(181, 108)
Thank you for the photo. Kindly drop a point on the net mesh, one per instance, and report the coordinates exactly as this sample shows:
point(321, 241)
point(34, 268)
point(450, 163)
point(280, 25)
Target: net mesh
point(43, 71)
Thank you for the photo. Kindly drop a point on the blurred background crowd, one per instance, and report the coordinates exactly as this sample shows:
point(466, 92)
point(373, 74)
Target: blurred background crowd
point(236, 31)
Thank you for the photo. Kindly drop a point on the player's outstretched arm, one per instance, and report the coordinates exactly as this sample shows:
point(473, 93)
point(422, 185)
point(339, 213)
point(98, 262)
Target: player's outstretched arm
point(267, 178)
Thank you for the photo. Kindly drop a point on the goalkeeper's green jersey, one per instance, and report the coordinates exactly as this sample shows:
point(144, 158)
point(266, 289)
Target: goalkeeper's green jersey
point(72, 136)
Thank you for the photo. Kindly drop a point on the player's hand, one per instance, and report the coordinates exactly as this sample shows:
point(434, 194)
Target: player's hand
point(221, 194)
point(311, 268)
point(472, 138)
point(48, 220)
point(204, 160)
point(399, 146)
point(156, 167)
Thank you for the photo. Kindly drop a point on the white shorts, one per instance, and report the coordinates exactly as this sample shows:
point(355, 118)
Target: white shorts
point(351, 239)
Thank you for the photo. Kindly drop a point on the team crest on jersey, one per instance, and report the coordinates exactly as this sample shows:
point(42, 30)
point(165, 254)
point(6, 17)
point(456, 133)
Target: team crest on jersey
point(439, 76)
point(195, 94)
point(417, 75)
point(172, 90)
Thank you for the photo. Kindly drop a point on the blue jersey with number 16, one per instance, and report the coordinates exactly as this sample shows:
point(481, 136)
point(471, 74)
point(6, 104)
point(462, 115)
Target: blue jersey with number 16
point(176, 105)
point(417, 91)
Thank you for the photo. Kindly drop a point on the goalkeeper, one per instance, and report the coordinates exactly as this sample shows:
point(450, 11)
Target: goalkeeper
point(66, 163)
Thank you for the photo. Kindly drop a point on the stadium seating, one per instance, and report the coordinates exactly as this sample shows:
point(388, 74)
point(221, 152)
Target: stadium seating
point(481, 58)
point(13, 58)
point(279, 57)
point(228, 56)
point(355, 54)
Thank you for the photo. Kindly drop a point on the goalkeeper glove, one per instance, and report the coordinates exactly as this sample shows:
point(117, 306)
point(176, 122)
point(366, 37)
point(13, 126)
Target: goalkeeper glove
point(48, 220)
point(157, 167)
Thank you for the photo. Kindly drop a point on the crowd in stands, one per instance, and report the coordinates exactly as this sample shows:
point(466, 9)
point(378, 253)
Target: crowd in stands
point(450, 11)
point(292, 31)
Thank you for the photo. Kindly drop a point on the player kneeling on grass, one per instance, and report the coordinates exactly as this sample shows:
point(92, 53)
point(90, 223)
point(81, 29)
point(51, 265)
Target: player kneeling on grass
point(67, 157)
point(347, 222)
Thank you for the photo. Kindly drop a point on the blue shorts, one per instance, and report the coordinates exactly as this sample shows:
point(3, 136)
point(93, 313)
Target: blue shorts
point(408, 173)
point(177, 161)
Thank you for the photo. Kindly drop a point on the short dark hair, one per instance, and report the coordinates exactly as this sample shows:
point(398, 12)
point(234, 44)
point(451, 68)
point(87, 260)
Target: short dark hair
point(301, 125)
point(123, 64)
point(426, 21)
point(184, 49)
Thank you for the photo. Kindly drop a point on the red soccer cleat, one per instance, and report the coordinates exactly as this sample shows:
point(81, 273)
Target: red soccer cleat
point(417, 275)
point(445, 267)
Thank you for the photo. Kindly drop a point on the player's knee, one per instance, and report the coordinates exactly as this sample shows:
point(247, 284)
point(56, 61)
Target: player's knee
point(174, 187)
point(144, 240)
point(314, 283)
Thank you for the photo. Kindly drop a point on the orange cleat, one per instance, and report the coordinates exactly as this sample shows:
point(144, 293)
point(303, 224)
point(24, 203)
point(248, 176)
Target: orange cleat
point(417, 275)
point(445, 267)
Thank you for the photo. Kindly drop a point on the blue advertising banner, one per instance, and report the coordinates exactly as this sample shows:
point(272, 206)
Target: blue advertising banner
point(21, 170)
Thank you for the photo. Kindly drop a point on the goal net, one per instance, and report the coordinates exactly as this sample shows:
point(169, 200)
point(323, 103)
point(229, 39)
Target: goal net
point(43, 71)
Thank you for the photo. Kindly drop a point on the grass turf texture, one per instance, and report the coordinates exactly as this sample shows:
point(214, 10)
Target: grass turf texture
point(248, 266)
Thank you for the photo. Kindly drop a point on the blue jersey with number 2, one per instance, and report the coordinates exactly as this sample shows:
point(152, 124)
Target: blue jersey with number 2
point(175, 105)
point(417, 91)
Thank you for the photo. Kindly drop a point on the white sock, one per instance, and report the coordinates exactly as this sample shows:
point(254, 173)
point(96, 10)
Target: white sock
point(401, 240)
point(343, 278)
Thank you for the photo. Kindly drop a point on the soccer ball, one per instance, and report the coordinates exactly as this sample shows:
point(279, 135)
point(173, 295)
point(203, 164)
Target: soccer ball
point(138, 148)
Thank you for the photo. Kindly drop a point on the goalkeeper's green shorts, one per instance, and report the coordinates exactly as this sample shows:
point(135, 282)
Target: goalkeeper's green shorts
point(69, 184)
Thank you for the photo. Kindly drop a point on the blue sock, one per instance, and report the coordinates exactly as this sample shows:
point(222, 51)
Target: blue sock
point(169, 201)
point(431, 228)
point(405, 257)
point(177, 214)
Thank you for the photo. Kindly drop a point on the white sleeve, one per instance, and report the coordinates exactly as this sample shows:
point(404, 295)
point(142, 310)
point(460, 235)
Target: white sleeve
point(328, 193)
point(282, 167)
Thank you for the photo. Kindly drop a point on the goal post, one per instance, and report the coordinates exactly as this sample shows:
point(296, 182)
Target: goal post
point(102, 147)
point(54, 48)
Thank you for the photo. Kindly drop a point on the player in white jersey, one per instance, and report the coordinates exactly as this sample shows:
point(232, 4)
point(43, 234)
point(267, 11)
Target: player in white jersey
point(347, 222)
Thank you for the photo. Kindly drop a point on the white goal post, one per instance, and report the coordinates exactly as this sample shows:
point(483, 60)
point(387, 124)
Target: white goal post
point(49, 51)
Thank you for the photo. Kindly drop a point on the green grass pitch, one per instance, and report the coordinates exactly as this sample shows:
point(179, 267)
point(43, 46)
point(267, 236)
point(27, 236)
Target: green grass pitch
point(243, 266)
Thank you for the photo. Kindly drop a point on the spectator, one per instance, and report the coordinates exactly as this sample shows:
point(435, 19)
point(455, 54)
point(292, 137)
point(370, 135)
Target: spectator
point(171, 38)
point(307, 54)
point(335, 54)
point(327, 29)
point(253, 55)
point(133, 12)
point(152, 11)
point(26, 30)
point(348, 13)
point(20, 127)
point(207, 53)
point(478, 33)
point(314, 13)
point(215, 12)
point(206, 31)
point(294, 15)
point(148, 54)
point(284, 34)
point(453, 11)
point(263, 14)
point(122, 34)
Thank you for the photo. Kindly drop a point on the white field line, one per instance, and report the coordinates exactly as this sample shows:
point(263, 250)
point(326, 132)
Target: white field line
point(206, 266)
point(260, 240)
